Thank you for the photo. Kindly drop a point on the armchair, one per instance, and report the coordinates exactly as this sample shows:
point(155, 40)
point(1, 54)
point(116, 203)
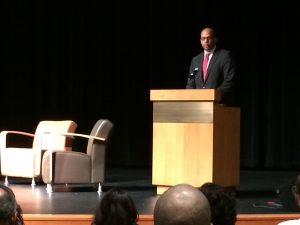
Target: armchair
point(79, 168)
point(26, 162)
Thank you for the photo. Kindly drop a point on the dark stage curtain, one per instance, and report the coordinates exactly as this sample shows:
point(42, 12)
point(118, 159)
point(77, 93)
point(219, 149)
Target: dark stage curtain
point(91, 60)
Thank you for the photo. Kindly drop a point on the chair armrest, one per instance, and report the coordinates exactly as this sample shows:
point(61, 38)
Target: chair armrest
point(4, 134)
point(81, 135)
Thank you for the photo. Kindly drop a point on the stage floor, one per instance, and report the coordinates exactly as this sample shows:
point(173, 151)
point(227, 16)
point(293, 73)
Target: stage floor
point(256, 194)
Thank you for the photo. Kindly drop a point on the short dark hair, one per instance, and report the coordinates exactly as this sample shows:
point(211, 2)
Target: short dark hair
point(222, 202)
point(210, 27)
point(297, 184)
point(10, 210)
point(116, 207)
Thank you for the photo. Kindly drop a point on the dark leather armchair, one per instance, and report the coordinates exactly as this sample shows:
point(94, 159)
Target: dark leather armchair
point(79, 168)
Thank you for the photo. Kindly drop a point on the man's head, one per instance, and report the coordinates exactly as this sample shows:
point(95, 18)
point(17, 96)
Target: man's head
point(182, 204)
point(208, 39)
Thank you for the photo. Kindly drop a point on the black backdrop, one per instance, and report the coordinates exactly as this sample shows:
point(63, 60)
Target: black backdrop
point(89, 60)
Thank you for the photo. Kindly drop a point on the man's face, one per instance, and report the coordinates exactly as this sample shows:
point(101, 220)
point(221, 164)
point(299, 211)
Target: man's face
point(208, 39)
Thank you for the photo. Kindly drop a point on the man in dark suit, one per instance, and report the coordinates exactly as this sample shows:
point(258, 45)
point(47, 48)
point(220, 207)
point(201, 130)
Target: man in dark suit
point(217, 72)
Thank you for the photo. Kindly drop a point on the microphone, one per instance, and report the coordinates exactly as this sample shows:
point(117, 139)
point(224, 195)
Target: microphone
point(193, 73)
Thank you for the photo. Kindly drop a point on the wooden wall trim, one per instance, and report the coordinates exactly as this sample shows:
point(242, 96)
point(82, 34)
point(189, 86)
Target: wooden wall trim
point(50, 217)
point(147, 219)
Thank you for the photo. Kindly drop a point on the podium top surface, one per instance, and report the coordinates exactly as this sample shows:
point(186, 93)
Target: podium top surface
point(184, 95)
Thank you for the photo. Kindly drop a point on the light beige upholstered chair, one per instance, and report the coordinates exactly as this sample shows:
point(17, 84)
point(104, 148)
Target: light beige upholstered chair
point(79, 167)
point(26, 162)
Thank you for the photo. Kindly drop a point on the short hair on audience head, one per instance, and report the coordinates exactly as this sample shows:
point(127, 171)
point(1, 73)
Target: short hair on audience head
point(296, 192)
point(10, 210)
point(297, 184)
point(116, 207)
point(182, 204)
point(222, 204)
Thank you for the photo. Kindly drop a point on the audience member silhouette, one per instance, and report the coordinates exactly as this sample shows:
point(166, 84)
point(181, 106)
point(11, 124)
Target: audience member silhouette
point(182, 204)
point(10, 210)
point(296, 194)
point(116, 207)
point(296, 191)
point(222, 204)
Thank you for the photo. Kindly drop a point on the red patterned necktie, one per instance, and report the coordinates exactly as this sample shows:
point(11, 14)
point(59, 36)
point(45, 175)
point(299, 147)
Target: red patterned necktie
point(205, 64)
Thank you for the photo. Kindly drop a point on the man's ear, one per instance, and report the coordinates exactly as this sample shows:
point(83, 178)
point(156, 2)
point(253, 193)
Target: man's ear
point(216, 40)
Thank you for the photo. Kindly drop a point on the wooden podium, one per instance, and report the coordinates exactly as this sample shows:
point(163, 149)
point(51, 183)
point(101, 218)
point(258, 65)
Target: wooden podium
point(195, 140)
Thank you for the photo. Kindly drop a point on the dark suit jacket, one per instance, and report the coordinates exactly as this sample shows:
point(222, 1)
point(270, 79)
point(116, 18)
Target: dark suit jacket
point(221, 74)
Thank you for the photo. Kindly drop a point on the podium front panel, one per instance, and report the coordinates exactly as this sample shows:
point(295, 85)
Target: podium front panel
point(182, 153)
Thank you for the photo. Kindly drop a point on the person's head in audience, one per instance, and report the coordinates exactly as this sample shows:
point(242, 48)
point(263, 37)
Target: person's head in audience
point(222, 204)
point(182, 204)
point(296, 195)
point(296, 190)
point(116, 207)
point(10, 210)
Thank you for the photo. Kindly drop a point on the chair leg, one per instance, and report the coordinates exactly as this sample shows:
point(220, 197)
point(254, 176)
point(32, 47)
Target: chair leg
point(32, 182)
point(99, 189)
point(49, 188)
point(6, 181)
